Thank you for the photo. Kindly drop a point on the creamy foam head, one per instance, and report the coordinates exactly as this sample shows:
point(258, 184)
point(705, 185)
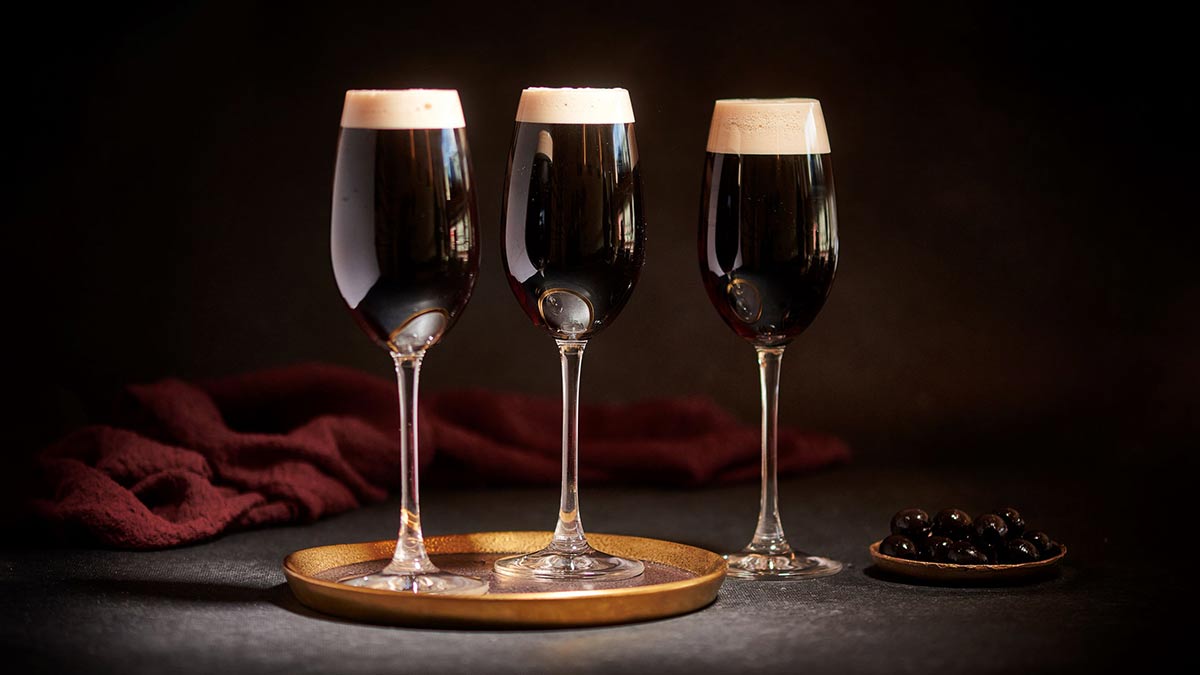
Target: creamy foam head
point(574, 106)
point(768, 126)
point(402, 109)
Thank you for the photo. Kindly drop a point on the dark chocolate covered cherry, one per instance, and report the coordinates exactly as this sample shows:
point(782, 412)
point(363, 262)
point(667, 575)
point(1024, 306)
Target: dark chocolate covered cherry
point(1019, 551)
point(1041, 540)
point(899, 546)
point(911, 523)
point(965, 553)
point(953, 523)
point(935, 548)
point(990, 530)
point(1014, 521)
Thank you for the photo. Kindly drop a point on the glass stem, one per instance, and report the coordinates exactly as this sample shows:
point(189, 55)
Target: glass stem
point(410, 556)
point(568, 534)
point(768, 536)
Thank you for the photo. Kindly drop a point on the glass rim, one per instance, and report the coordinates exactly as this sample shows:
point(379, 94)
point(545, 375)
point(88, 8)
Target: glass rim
point(788, 100)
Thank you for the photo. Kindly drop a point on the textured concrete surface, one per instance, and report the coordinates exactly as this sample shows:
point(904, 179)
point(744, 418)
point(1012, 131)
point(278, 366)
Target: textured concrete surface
point(223, 607)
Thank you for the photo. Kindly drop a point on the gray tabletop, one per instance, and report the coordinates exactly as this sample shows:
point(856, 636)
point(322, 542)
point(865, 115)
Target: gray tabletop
point(223, 606)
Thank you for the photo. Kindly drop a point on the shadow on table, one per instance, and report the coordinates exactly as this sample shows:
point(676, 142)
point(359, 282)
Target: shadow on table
point(190, 591)
point(282, 597)
point(196, 592)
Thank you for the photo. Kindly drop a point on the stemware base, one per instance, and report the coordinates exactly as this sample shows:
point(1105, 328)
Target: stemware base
point(551, 564)
point(754, 565)
point(434, 583)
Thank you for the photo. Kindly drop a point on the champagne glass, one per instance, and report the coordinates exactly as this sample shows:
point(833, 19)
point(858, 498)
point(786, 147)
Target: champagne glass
point(768, 252)
point(573, 248)
point(405, 255)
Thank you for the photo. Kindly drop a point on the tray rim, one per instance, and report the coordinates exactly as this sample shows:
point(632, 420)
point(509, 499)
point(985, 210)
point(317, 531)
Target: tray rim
point(926, 569)
point(525, 609)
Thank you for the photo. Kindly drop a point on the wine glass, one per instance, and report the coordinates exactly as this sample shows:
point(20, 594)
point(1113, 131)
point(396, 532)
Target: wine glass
point(768, 252)
point(405, 255)
point(574, 237)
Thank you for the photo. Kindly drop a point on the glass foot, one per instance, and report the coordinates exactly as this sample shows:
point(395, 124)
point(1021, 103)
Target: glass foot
point(749, 564)
point(550, 564)
point(439, 583)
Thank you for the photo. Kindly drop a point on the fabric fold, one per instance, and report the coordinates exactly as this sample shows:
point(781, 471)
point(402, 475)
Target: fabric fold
point(184, 462)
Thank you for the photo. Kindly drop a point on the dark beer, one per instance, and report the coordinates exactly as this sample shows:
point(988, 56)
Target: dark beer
point(573, 228)
point(768, 241)
point(404, 236)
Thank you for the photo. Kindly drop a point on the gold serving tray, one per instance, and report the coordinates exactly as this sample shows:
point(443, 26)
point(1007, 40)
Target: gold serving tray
point(959, 574)
point(678, 579)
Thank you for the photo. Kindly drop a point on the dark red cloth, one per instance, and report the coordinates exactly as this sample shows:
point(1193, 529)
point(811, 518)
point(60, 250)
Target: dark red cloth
point(188, 461)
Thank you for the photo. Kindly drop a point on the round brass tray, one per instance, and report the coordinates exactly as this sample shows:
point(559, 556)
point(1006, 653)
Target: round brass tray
point(950, 573)
point(678, 579)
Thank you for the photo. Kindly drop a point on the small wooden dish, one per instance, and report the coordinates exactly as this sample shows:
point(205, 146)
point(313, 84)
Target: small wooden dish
point(964, 574)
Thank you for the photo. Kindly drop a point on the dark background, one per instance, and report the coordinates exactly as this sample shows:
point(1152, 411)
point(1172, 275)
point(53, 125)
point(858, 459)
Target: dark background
point(1014, 285)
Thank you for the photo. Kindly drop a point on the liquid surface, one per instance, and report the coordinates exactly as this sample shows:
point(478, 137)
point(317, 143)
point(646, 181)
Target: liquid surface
point(768, 242)
point(574, 230)
point(404, 238)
